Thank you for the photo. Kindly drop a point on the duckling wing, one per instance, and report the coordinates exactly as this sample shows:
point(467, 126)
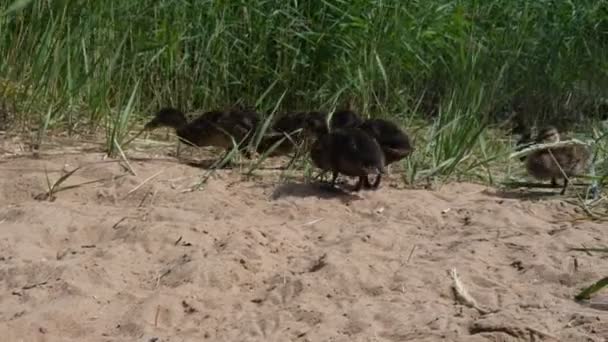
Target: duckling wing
point(554, 162)
point(322, 154)
point(193, 115)
point(236, 124)
point(196, 132)
point(355, 152)
point(541, 165)
point(574, 160)
point(290, 122)
point(388, 134)
point(394, 142)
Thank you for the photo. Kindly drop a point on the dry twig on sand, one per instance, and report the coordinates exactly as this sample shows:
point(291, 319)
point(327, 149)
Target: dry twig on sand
point(463, 295)
point(142, 183)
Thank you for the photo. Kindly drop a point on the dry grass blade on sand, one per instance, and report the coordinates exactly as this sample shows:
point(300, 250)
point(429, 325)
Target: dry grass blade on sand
point(539, 147)
point(589, 291)
point(124, 158)
point(143, 183)
point(56, 187)
point(53, 188)
point(463, 295)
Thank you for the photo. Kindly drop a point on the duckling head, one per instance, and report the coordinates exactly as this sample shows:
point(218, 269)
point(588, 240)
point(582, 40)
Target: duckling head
point(167, 117)
point(548, 134)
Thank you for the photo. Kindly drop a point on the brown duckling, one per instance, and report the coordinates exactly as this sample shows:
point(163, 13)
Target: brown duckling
point(214, 128)
point(557, 162)
point(349, 151)
point(393, 141)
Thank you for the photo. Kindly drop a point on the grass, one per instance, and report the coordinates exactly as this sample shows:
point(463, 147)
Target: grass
point(589, 291)
point(456, 68)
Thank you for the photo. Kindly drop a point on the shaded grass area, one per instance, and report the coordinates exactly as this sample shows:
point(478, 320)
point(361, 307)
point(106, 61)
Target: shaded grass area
point(81, 61)
point(449, 71)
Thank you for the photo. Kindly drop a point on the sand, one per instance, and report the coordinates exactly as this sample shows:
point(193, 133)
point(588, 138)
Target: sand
point(259, 259)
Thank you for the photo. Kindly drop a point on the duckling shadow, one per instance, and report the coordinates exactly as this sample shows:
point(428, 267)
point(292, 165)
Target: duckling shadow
point(197, 163)
point(319, 190)
point(527, 195)
point(208, 164)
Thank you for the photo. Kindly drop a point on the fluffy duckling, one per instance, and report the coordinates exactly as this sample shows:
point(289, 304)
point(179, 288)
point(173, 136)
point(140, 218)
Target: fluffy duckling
point(214, 128)
point(393, 141)
point(557, 162)
point(349, 151)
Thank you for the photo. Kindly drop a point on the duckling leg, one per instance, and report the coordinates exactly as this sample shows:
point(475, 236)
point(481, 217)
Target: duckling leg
point(377, 181)
point(334, 176)
point(291, 161)
point(366, 183)
point(565, 186)
point(359, 185)
point(553, 182)
point(247, 153)
point(321, 174)
point(225, 159)
point(369, 185)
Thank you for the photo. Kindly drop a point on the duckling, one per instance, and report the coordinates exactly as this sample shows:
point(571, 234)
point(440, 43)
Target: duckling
point(344, 118)
point(557, 162)
point(289, 128)
point(320, 123)
point(393, 141)
point(349, 151)
point(213, 128)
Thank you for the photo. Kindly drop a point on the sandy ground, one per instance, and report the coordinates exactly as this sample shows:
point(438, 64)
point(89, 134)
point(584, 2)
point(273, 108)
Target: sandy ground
point(261, 260)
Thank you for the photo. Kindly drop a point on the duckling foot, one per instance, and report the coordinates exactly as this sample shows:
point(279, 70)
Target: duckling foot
point(320, 175)
point(367, 185)
point(377, 182)
point(553, 182)
point(362, 181)
point(292, 161)
point(334, 177)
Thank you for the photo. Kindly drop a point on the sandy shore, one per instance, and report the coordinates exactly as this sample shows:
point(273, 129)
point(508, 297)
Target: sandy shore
point(262, 260)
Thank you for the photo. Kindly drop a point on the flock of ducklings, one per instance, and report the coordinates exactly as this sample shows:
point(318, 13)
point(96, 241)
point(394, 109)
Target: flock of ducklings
point(344, 143)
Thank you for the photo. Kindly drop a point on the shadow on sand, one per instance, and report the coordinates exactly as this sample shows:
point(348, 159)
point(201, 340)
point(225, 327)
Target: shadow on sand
point(525, 195)
point(318, 189)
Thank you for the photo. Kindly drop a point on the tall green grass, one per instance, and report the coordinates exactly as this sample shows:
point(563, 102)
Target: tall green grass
point(75, 64)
